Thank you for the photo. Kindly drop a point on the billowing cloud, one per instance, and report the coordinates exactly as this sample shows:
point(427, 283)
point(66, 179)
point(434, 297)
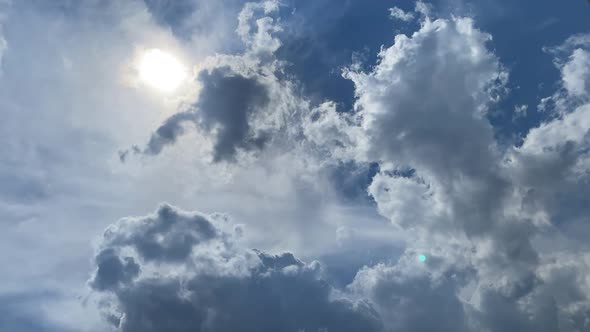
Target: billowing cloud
point(185, 271)
point(422, 108)
point(553, 161)
point(477, 210)
point(468, 203)
point(415, 168)
point(241, 103)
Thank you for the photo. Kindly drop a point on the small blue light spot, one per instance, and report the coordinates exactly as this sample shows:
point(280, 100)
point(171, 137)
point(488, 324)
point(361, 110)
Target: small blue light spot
point(422, 258)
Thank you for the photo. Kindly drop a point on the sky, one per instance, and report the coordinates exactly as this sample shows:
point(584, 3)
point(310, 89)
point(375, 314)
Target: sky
point(296, 166)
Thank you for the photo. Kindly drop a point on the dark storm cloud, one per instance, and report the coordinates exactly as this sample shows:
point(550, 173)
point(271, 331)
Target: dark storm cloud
point(215, 285)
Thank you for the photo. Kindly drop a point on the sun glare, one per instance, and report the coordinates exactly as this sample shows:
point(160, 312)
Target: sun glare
point(161, 70)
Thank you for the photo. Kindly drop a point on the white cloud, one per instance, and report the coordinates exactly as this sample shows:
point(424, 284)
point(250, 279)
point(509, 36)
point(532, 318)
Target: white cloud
point(400, 14)
point(520, 111)
point(422, 108)
point(576, 73)
point(572, 58)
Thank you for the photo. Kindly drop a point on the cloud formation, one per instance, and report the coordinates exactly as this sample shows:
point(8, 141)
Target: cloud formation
point(415, 169)
point(185, 271)
point(4, 5)
point(241, 101)
point(400, 14)
point(473, 207)
point(479, 211)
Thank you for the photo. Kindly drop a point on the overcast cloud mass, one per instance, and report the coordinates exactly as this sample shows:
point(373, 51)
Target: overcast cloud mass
point(317, 166)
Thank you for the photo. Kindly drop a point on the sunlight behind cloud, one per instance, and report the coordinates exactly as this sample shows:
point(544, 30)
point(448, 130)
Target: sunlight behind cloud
point(161, 70)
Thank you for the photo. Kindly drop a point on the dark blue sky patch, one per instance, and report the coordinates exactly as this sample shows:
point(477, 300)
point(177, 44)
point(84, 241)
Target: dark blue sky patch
point(351, 181)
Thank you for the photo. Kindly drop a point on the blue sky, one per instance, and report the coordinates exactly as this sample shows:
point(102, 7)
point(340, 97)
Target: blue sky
point(199, 165)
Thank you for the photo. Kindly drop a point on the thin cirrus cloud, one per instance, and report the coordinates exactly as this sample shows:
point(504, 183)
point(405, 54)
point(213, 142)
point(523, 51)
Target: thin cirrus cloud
point(446, 226)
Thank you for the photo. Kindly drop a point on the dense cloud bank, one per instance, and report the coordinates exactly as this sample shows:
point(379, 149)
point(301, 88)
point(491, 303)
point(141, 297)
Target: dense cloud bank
point(482, 213)
point(185, 271)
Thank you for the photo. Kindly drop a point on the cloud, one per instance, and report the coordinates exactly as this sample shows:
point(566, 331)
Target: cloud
point(475, 207)
point(400, 14)
point(423, 108)
point(552, 163)
point(259, 39)
point(184, 271)
point(572, 58)
point(237, 102)
point(197, 22)
point(226, 105)
point(408, 298)
point(227, 111)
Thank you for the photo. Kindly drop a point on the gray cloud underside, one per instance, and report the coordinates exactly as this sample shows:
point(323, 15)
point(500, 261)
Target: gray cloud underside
point(179, 271)
point(223, 110)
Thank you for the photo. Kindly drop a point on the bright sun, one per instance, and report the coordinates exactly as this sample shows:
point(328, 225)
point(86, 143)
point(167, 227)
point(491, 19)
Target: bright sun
point(161, 70)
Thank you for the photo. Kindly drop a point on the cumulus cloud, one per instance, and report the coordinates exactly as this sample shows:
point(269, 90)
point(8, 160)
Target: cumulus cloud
point(241, 103)
point(472, 205)
point(553, 161)
point(186, 271)
point(423, 108)
point(477, 210)
point(224, 110)
point(174, 14)
point(410, 299)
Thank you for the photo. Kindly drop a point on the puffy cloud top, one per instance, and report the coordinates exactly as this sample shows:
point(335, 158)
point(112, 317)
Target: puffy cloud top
point(180, 271)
